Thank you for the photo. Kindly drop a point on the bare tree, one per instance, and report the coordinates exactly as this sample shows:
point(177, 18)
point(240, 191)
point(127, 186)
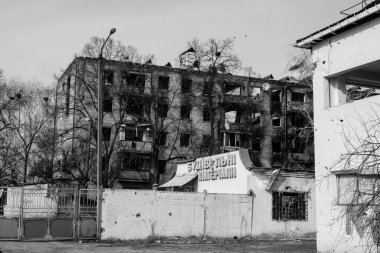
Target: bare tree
point(113, 50)
point(27, 125)
point(212, 58)
point(358, 171)
point(301, 66)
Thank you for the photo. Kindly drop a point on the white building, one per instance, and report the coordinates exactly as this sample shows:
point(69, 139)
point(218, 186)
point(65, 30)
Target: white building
point(283, 202)
point(346, 113)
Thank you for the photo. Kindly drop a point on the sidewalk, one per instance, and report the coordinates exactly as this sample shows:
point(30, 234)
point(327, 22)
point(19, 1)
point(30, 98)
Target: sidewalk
point(230, 246)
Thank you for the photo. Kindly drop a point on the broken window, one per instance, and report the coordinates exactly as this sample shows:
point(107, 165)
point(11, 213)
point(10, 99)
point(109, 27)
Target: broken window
point(132, 105)
point(106, 133)
point(256, 145)
point(162, 166)
point(107, 104)
point(206, 114)
point(185, 111)
point(297, 145)
point(207, 89)
point(108, 76)
point(162, 109)
point(162, 138)
point(186, 85)
point(163, 82)
point(133, 80)
point(289, 206)
point(297, 120)
point(276, 120)
point(184, 140)
point(133, 134)
point(298, 97)
point(276, 96)
point(232, 89)
point(231, 139)
point(206, 140)
point(256, 118)
point(134, 161)
point(276, 146)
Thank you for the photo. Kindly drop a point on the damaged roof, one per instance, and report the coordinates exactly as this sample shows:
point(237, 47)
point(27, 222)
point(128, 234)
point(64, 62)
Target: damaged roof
point(368, 13)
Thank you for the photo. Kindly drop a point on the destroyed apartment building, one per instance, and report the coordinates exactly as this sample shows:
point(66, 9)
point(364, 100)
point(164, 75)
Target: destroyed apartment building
point(154, 117)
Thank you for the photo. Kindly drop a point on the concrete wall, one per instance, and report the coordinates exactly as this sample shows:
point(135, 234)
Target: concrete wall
point(343, 52)
point(137, 214)
point(262, 208)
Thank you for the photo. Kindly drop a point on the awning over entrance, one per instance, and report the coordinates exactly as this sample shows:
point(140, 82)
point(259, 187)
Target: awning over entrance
point(179, 180)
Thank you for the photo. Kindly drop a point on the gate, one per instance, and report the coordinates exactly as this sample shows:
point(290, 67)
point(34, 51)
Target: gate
point(44, 212)
point(87, 214)
point(10, 199)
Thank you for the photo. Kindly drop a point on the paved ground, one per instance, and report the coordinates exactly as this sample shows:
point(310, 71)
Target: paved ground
point(186, 247)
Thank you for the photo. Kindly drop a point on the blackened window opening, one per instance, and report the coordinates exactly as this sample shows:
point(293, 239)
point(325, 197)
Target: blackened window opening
point(207, 89)
point(133, 161)
point(206, 114)
point(162, 109)
point(185, 111)
point(186, 85)
point(276, 96)
point(133, 105)
point(298, 97)
point(107, 104)
point(256, 145)
point(206, 141)
point(276, 120)
point(162, 166)
point(161, 140)
point(108, 76)
point(184, 140)
point(106, 133)
point(297, 120)
point(163, 82)
point(276, 146)
point(134, 80)
point(289, 206)
point(133, 134)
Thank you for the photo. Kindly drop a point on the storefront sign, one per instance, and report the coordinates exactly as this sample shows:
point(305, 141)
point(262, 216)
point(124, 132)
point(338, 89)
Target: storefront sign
point(215, 167)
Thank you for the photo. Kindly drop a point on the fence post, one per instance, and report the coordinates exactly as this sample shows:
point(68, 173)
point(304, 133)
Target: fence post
point(76, 212)
point(99, 213)
point(204, 213)
point(21, 215)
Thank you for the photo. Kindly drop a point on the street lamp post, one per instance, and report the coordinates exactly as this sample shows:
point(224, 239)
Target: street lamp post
point(100, 134)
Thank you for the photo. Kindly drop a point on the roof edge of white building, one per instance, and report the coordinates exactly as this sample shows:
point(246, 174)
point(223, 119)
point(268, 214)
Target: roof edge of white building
point(366, 14)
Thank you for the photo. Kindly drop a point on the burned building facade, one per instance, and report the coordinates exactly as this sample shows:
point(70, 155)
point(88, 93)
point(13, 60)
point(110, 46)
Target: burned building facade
point(154, 116)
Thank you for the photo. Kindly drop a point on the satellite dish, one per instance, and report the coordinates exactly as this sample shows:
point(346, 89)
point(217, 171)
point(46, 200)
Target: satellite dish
point(266, 86)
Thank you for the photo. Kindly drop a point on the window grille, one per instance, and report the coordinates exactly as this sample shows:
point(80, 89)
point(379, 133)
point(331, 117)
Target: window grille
point(289, 206)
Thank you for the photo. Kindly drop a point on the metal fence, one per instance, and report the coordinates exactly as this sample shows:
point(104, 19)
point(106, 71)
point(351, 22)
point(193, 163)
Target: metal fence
point(47, 212)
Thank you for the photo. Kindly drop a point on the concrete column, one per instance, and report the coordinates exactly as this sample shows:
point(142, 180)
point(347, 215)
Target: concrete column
point(337, 91)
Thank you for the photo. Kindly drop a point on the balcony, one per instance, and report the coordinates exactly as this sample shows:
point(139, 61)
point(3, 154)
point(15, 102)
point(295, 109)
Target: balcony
point(136, 146)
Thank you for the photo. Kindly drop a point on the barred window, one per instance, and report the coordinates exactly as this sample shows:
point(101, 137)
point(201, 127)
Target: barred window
point(289, 206)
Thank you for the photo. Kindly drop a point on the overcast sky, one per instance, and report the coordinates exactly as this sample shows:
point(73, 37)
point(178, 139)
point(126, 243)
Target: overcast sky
point(39, 38)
